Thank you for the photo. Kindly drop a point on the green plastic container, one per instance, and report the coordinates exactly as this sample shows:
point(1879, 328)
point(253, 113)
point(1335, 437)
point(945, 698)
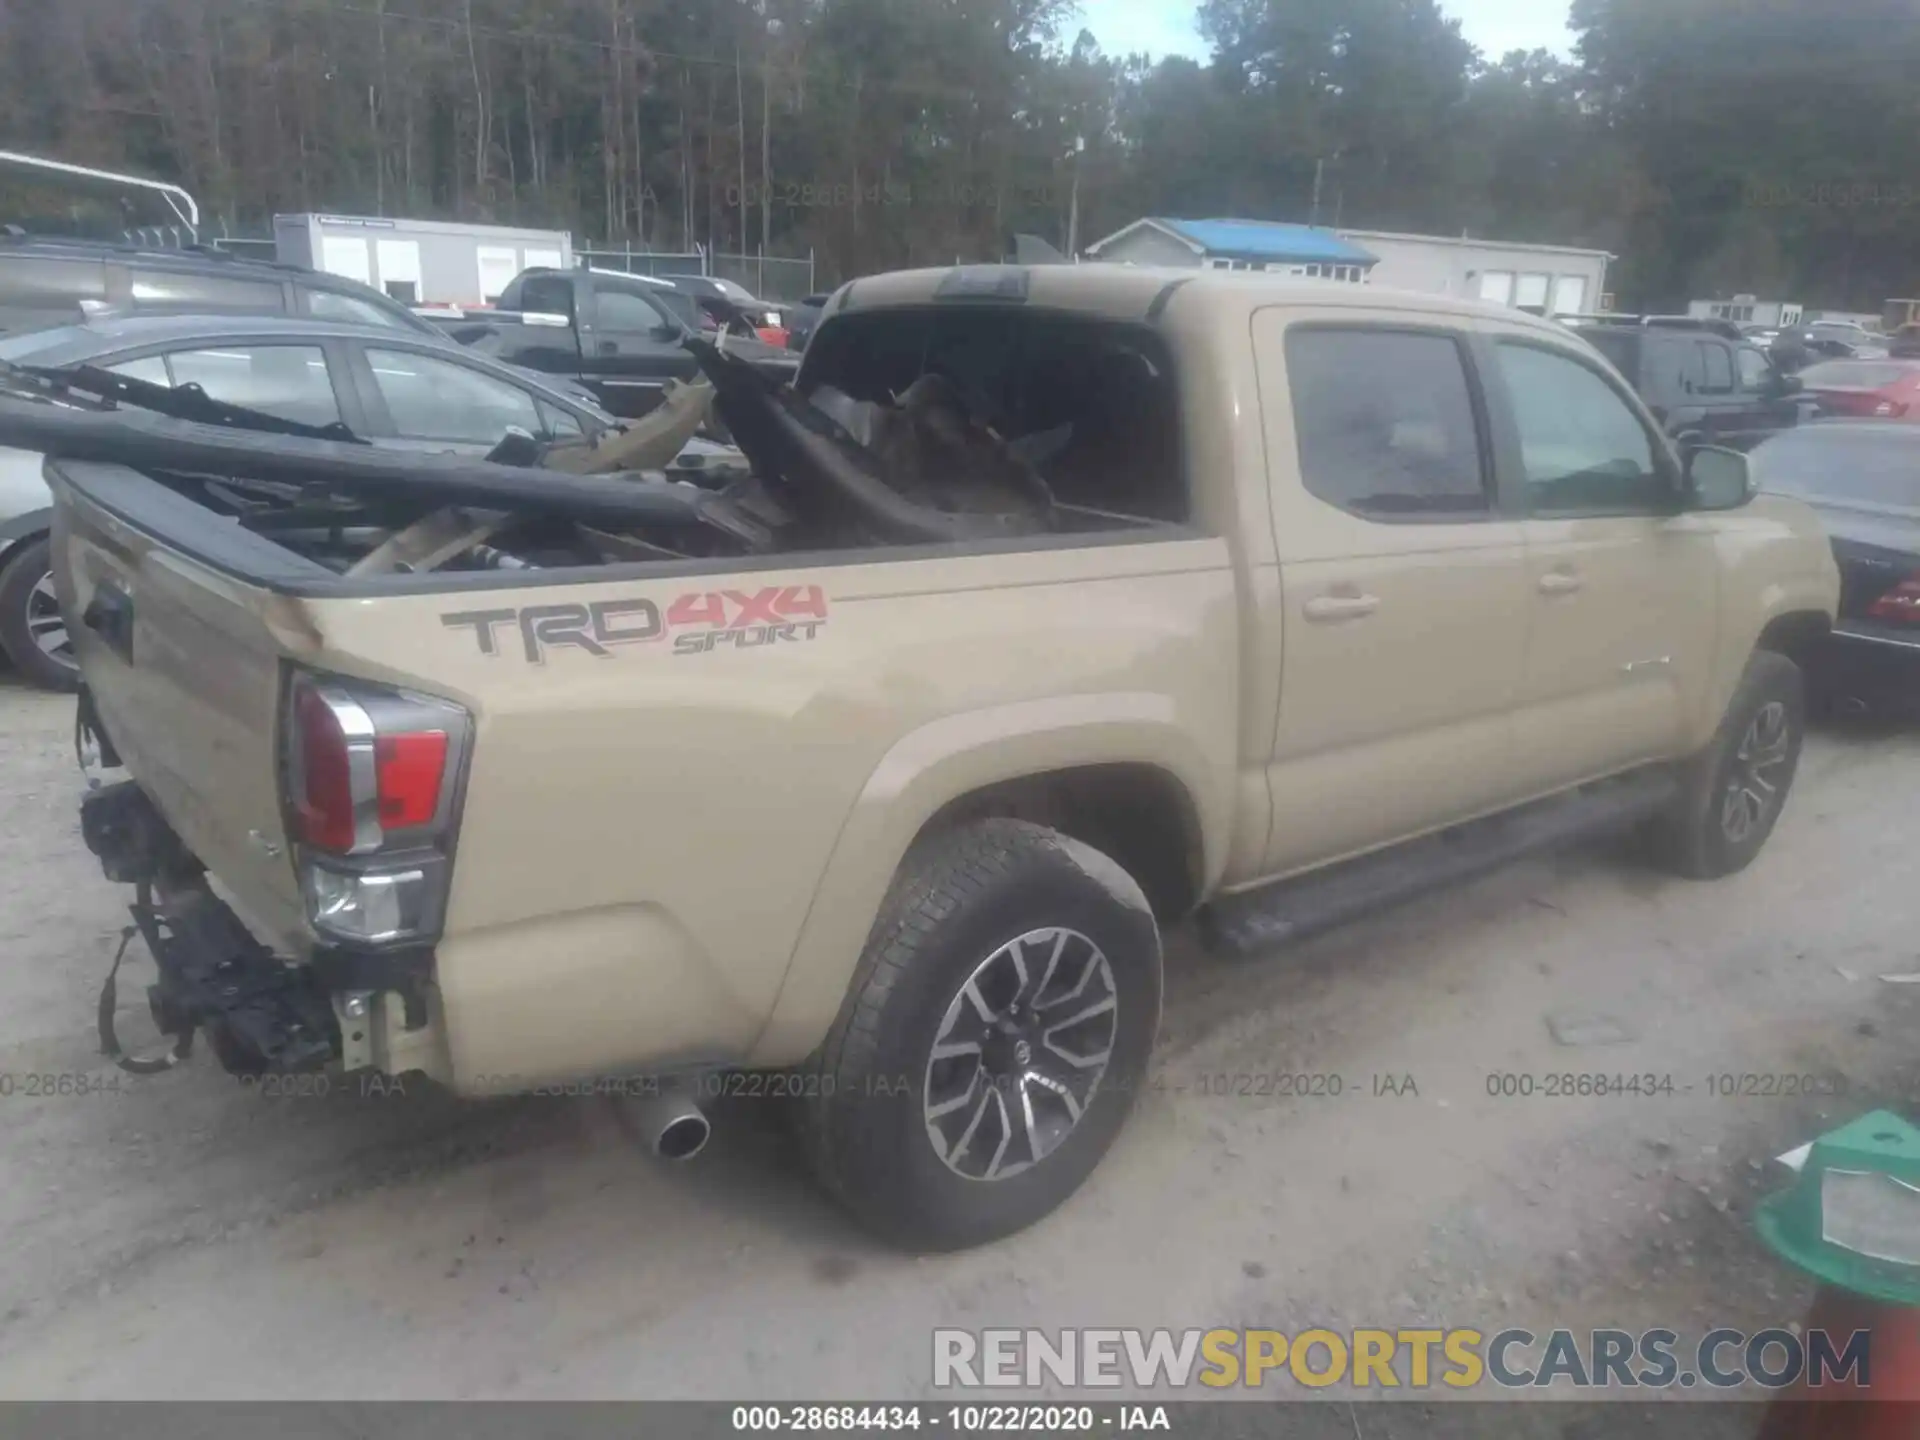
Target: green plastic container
point(1852, 1218)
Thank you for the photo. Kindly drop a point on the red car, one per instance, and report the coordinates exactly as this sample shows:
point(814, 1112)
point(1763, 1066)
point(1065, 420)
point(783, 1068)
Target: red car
point(1870, 389)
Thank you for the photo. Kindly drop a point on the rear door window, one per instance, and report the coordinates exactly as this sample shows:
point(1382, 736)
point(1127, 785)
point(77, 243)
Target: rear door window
point(291, 381)
point(1386, 425)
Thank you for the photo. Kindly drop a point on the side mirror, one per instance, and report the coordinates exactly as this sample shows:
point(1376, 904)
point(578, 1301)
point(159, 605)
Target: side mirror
point(1717, 479)
point(665, 333)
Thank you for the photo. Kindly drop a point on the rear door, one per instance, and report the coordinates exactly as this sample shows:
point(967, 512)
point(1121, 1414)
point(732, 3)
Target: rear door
point(1621, 589)
point(629, 344)
point(1403, 587)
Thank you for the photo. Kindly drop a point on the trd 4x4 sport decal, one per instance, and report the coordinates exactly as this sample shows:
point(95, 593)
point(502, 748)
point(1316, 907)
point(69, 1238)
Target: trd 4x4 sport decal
point(696, 623)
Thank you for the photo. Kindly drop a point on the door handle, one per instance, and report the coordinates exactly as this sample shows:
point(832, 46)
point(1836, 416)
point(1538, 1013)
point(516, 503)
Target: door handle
point(1561, 582)
point(1332, 609)
point(609, 347)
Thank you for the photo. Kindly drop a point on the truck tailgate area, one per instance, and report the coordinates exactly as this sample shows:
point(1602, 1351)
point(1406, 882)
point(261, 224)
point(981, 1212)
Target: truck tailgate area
point(184, 673)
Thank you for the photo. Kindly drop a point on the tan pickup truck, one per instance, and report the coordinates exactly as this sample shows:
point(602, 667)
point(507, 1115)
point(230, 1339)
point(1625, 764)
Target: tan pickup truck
point(1274, 600)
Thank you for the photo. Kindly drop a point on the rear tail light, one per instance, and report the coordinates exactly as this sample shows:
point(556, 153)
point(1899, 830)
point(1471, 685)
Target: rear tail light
point(1901, 604)
point(1890, 408)
point(370, 777)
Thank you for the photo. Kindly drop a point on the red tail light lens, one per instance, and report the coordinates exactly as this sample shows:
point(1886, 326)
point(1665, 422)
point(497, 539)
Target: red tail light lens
point(408, 770)
point(323, 798)
point(369, 775)
point(1901, 604)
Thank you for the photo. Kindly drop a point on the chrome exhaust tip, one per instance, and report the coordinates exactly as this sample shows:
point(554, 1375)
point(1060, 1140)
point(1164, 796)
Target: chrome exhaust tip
point(671, 1126)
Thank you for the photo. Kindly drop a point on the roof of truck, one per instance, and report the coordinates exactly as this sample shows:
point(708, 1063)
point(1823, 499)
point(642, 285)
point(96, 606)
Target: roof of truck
point(1142, 292)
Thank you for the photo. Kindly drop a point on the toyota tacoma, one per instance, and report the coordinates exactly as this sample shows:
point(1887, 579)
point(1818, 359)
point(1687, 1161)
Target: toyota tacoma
point(1059, 604)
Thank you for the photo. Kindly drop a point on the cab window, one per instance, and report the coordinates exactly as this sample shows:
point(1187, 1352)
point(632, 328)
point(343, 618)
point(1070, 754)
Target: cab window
point(1386, 424)
point(1583, 450)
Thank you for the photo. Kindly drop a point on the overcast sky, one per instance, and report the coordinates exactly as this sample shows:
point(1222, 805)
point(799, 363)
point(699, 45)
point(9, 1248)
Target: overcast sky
point(1166, 27)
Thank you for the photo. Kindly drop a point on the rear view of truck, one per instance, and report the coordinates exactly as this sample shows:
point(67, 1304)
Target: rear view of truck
point(539, 770)
point(327, 806)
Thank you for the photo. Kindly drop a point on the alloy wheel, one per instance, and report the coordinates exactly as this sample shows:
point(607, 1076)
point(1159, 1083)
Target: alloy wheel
point(47, 625)
point(1754, 787)
point(1019, 1053)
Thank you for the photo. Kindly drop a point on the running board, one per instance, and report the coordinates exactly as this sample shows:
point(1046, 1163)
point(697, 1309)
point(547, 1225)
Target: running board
point(1291, 909)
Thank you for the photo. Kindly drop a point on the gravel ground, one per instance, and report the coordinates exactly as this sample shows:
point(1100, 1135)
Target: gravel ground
point(183, 1237)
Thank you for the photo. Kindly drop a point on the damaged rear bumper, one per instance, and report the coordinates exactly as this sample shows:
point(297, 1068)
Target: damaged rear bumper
point(262, 1013)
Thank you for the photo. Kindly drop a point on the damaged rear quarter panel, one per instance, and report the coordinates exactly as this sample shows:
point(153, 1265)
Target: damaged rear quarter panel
point(680, 785)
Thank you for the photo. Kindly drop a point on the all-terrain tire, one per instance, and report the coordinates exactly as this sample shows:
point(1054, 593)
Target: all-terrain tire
point(962, 897)
point(1710, 831)
point(25, 569)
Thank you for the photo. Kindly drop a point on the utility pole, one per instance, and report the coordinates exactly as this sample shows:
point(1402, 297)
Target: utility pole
point(1319, 175)
point(1073, 199)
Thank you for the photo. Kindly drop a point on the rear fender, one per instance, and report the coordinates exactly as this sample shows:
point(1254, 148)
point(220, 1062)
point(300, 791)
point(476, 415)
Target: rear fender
point(929, 769)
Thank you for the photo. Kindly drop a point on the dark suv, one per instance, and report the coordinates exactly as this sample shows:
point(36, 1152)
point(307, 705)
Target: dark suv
point(55, 282)
point(1703, 386)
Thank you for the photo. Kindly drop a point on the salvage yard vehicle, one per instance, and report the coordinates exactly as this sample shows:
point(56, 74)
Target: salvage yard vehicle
point(1868, 389)
point(46, 281)
point(1061, 603)
point(1702, 386)
point(1862, 477)
point(398, 390)
point(621, 336)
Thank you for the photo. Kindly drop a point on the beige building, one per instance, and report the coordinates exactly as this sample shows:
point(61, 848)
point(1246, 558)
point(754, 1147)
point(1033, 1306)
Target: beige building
point(1553, 279)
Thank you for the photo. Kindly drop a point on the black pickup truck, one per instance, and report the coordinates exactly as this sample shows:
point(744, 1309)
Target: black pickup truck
point(621, 336)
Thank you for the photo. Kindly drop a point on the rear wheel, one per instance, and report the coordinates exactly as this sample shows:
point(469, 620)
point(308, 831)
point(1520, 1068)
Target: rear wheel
point(1732, 792)
point(32, 630)
point(993, 1040)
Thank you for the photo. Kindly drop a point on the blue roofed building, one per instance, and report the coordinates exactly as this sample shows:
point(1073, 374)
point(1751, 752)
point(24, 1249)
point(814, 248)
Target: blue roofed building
point(1236, 245)
point(1543, 279)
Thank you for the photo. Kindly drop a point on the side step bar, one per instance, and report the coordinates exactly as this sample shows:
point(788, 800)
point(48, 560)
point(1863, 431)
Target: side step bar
point(1292, 909)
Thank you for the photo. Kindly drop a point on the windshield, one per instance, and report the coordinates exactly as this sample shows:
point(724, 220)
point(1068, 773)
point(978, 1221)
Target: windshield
point(1843, 463)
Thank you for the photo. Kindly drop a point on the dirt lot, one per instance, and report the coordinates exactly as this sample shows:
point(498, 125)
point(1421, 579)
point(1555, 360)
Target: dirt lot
point(185, 1237)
